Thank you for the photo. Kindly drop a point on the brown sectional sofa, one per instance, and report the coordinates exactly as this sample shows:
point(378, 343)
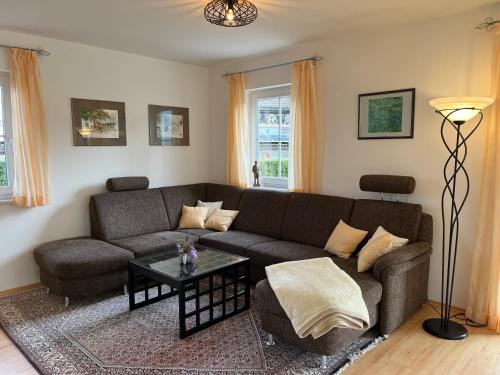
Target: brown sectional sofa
point(271, 227)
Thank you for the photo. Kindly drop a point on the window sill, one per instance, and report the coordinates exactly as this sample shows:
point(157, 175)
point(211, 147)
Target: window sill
point(5, 200)
point(269, 188)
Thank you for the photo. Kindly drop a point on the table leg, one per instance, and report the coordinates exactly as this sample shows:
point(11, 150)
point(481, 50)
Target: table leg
point(211, 296)
point(131, 289)
point(247, 285)
point(182, 311)
point(235, 288)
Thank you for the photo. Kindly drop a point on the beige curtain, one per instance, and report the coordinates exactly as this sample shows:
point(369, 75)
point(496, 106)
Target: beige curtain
point(484, 288)
point(29, 131)
point(303, 175)
point(238, 168)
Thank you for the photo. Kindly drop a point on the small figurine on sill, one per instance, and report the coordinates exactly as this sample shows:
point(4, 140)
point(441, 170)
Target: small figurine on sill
point(255, 170)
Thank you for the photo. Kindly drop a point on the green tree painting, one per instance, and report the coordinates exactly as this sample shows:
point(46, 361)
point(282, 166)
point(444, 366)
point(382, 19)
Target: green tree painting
point(385, 115)
point(99, 119)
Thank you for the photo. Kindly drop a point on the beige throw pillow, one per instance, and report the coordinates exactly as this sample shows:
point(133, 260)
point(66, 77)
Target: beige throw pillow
point(221, 220)
point(212, 206)
point(193, 217)
point(396, 241)
point(344, 240)
point(373, 250)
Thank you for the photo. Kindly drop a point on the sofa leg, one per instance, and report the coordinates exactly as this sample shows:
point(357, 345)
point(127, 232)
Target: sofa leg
point(323, 362)
point(125, 289)
point(270, 340)
point(66, 301)
point(47, 290)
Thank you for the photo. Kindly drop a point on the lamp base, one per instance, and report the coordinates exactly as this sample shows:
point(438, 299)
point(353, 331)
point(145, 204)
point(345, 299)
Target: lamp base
point(452, 331)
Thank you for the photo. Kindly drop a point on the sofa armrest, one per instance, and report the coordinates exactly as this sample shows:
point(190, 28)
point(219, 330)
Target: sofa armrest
point(404, 275)
point(401, 260)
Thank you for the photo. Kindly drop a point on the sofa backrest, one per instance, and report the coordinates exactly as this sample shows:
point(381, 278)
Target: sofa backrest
point(229, 195)
point(311, 218)
point(401, 219)
point(177, 196)
point(127, 213)
point(262, 212)
point(426, 229)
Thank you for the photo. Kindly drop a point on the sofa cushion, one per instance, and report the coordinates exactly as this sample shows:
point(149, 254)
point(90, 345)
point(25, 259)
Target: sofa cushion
point(400, 219)
point(229, 195)
point(196, 232)
point(262, 212)
point(177, 196)
point(233, 241)
point(311, 218)
point(127, 214)
point(370, 287)
point(152, 243)
point(81, 258)
point(268, 253)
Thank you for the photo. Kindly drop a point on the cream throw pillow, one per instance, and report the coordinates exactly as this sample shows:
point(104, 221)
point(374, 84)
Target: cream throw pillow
point(344, 240)
point(373, 250)
point(221, 220)
point(396, 241)
point(212, 206)
point(193, 217)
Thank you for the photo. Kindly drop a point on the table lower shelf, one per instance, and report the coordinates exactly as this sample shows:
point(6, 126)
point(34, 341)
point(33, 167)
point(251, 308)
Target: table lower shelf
point(224, 293)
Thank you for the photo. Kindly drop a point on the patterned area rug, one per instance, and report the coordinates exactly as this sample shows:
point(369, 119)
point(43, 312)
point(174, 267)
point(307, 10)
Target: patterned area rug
point(100, 336)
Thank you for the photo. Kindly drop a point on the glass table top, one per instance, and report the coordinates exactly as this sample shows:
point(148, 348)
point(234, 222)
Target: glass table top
point(208, 260)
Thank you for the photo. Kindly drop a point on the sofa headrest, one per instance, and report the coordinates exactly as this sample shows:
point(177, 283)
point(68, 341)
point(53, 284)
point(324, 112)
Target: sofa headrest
point(382, 183)
point(127, 183)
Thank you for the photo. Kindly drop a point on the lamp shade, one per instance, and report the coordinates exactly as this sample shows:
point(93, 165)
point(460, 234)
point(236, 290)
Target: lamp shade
point(461, 108)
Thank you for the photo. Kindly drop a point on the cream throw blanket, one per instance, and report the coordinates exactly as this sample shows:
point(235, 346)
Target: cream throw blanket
point(318, 296)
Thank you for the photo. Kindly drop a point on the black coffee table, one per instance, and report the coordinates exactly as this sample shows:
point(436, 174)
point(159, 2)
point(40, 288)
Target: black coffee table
point(223, 277)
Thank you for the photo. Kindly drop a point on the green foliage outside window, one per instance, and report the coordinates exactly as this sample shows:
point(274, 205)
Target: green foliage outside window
point(3, 173)
point(270, 168)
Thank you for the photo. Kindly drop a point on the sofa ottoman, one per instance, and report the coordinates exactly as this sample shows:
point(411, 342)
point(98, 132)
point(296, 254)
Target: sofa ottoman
point(82, 267)
point(276, 323)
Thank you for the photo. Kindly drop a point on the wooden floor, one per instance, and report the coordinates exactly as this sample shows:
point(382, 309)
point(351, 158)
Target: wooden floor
point(409, 350)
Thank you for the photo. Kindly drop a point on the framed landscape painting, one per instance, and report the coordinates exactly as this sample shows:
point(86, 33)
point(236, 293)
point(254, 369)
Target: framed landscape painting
point(98, 123)
point(168, 126)
point(387, 114)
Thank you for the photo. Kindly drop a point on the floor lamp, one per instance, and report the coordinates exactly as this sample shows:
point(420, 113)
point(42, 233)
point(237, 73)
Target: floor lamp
point(455, 112)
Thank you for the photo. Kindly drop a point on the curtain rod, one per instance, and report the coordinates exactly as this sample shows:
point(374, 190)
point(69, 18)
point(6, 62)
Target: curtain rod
point(312, 58)
point(487, 24)
point(39, 50)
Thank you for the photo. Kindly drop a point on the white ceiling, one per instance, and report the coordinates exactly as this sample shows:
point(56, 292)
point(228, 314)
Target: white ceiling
point(176, 30)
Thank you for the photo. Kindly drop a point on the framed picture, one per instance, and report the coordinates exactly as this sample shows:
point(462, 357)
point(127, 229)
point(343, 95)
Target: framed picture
point(98, 123)
point(168, 126)
point(387, 114)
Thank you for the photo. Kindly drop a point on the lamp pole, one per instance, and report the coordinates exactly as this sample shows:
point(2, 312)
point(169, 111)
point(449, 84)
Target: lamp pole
point(453, 171)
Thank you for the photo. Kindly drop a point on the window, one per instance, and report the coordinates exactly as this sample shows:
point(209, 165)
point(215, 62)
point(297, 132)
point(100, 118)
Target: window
point(271, 120)
point(6, 156)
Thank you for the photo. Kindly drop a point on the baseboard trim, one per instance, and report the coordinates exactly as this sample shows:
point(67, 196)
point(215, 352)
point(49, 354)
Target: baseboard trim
point(438, 305)
point(20, 289)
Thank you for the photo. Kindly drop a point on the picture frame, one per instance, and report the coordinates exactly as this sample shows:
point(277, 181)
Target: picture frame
point(386, 114)
point(98, 123)
point(168, 126)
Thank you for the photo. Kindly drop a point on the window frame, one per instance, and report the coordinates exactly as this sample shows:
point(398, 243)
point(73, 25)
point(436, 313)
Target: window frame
point(252, 96)
point(6, 192)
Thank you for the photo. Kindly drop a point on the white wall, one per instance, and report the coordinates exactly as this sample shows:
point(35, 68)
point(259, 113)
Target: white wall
point(75, 70)
point(441, 57)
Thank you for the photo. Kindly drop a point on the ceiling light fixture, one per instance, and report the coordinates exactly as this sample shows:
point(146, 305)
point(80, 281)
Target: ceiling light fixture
point(230, 13)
